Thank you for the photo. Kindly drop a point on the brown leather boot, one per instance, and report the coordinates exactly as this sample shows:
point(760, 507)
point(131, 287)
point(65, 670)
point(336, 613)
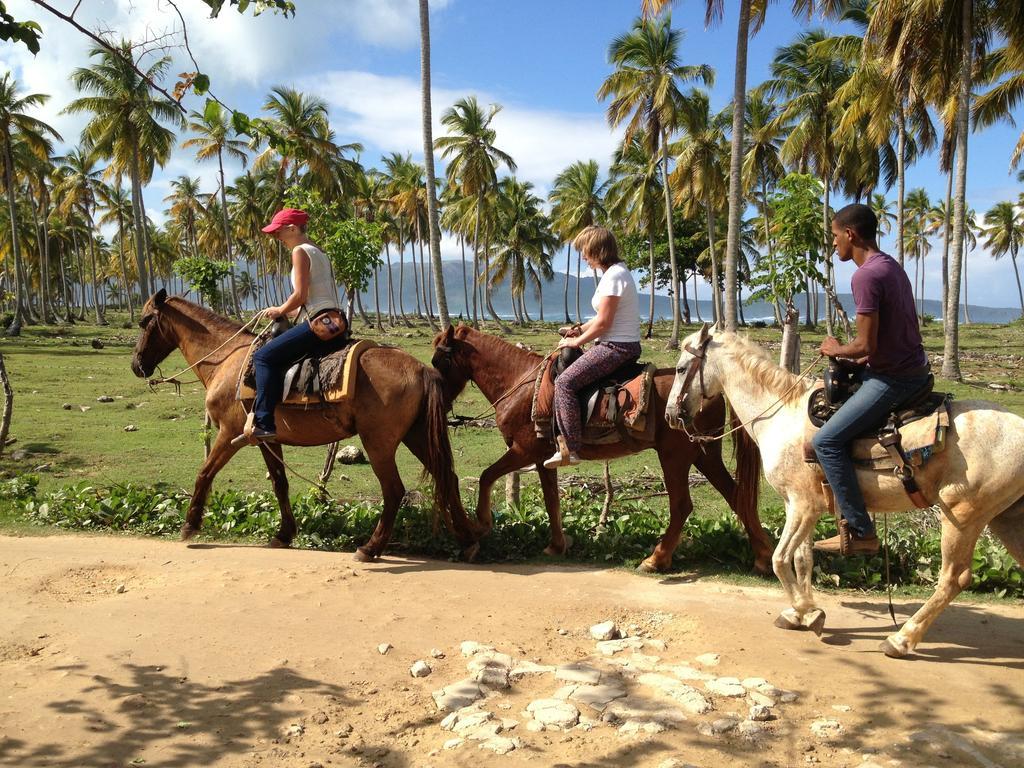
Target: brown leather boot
point(848, 543)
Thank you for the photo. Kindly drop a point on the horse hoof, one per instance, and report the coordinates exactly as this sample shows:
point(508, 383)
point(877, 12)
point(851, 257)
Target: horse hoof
point(469, 553)
point(891, 649)
point(187, 532)
point(764, 569)
point(279, 543)
point(782, 621)
point(649, 566)
point(552, 551)
point(817, 624)
point(363, 555)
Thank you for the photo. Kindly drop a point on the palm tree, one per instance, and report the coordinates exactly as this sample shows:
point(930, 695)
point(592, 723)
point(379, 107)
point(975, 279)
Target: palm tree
point(1004, 233)
point(18, 126)
point(213, 127)
point(473, 165)
point(525, 243)
point(117, 204)
point(577, 202)
point(78, 190)
point(882, 209)
point(645, 95)
point(126, 126)
point(915, 239)
point(971, 232)
point(635, 199)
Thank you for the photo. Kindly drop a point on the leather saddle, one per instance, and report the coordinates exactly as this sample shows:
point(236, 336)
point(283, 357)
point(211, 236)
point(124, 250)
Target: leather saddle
point(610, 408)
point(315, 378)
point(913, 432)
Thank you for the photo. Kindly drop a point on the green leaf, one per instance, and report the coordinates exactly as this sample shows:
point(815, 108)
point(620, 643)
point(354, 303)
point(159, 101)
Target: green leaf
point(211, 112)
point(201, 84)
point(240, 122)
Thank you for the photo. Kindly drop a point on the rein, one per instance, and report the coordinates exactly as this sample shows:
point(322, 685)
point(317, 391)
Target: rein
point(174, 379)
point(698, 363)
point(531, 375)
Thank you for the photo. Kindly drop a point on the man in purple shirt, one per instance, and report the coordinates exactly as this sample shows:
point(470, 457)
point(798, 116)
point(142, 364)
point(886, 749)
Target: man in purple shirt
point(889, 341)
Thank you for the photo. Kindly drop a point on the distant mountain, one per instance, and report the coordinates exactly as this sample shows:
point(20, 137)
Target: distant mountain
point(553, 309)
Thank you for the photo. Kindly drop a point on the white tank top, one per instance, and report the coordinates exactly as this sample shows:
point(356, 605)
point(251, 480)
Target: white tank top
point(323, 293)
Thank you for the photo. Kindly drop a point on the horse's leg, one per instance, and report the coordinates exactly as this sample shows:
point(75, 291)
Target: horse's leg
point(1008, 527)
point(713, 468)
point(383, 464)
point(549, 485)
point(796, 536)
point(680, 505)
point(955, 576)
point(512, 459)
point(273, 455)
point(220, 454)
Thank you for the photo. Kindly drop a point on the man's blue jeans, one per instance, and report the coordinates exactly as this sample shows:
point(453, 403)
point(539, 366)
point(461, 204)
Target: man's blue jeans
point(866, 410)
point(271, 362)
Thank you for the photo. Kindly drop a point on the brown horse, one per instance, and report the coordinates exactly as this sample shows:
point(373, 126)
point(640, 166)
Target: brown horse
point(505, 374)
point(397, 400)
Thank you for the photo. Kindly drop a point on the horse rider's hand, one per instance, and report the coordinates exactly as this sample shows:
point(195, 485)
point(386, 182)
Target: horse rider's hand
point(569, 342)
point(273, 312)
point(569, 331)
point(830, 347)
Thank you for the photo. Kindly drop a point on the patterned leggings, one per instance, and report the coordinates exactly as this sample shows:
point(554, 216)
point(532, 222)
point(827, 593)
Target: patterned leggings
point(597, 362)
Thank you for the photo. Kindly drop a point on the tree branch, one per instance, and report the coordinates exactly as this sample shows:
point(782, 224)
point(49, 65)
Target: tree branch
point(108, 47)
point(188, 49)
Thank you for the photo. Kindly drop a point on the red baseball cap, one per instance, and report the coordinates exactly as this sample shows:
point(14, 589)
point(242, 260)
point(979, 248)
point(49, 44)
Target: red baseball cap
point(284, 217)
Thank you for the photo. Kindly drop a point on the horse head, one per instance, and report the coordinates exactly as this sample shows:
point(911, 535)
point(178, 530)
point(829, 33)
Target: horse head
point(156, 341)
point(451, 359)
point(692, 388)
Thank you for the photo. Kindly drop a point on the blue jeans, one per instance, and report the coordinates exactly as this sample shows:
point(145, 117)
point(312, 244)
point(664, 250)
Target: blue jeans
point(271, 362)
point(866, 410)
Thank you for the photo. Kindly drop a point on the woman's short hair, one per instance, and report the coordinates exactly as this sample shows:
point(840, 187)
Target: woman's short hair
point(599, 243)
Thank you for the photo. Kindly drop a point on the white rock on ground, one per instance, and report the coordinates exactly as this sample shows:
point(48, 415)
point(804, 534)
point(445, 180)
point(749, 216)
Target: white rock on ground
point(725, 686)
point(717, 727)
point(759, 699)
point(685, 672)
point(827, 729)
point(749, 729)
point(842, 707)
point(578, 673)
point(383, 648)
point(597, 696)
point(760, 713)
point(708, 659)
point(690, 698)
point(787, 697)
point(606, 630)
point(640, 726)
point(453, 743)
point(554, 713)
point(754, 682)
point(611, 647)
point(501, 744)
point(457, 695)
point(420, 668)
point(493, 677)
point(471, 647)
point(641, 709)
point(470, 719)
point(485, 659)
point(523, 668)
point(656, 644)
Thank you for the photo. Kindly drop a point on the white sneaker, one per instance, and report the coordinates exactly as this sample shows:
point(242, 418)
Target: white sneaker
point(558, 459)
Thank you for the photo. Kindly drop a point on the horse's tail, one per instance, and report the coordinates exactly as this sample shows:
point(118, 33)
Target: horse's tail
point(748, 484)
point(439, 461)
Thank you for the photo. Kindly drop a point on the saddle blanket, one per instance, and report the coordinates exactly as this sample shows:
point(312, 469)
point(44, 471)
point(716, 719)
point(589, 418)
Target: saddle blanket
point(327, 379)
point(920, 439)
point(609, 408)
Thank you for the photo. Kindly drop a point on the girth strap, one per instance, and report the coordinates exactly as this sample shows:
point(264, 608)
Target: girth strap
point(891, 442)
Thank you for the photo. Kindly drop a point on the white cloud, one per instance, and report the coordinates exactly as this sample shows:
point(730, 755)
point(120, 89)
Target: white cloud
point(383, 112)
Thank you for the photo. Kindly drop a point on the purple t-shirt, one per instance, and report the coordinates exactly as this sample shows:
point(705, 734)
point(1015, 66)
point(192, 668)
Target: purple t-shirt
point(880, 285)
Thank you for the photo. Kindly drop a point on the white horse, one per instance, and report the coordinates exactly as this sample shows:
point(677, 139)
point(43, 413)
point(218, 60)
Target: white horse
point(977, 480)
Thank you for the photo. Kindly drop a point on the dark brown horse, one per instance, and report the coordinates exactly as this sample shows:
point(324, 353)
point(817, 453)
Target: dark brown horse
point(397, 400)
point(505, 374)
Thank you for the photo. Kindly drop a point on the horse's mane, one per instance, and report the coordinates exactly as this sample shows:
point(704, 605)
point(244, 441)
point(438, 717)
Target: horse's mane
point(205, 317)
point(755, 363)
point(479, 339)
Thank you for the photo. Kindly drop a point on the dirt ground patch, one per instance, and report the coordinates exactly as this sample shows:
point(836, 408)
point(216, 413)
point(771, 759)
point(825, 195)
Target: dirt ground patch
point(242, 656)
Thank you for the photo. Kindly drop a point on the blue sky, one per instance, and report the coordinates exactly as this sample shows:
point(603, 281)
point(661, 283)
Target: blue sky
point(542, 60)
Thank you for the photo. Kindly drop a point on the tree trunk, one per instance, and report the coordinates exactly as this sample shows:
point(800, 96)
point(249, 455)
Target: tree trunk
point(477, 308)
point(716, 297)
point(790, 355)
point(512, 486)
point(967, 311)
point(951, 347)
point(673, 342)
point(901, 180)
point(401, 279)
point(945, 240)
point(739, 94)
point(686, 301)
point(14, 329)
point(391, 286)
point(428, 161)
point(140, 225)
point(227, 235)
point(124, 268)
point(696, 301)
point(826, 250)
point(5, 417)
point(423, 274)
point(92, 261)
point(487, 286)
point(376, 298)
point(568, 268)
point(650, 272)
point(1016, 274)
point(415, 277)
point(465, 279)
point(609, 495)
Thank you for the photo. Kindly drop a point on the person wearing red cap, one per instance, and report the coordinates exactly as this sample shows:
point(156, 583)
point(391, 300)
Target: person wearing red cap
point(314, 292)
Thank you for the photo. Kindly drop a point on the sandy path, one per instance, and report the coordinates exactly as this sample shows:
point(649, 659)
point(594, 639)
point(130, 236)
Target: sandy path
point(219, 655)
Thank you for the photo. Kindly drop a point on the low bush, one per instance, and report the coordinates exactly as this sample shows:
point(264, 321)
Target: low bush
point(709, 542)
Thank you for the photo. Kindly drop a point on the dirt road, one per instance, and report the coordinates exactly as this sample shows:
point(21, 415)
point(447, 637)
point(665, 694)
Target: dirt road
point(125, 652)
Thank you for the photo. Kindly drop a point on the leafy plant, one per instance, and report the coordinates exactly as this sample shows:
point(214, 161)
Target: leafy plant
point(204, 275)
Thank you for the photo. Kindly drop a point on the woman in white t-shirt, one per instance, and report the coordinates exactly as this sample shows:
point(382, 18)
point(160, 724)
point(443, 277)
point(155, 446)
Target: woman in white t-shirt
point(615, 331)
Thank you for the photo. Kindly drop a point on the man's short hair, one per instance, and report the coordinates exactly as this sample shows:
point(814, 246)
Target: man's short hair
point(600, 243)
point(860, 218)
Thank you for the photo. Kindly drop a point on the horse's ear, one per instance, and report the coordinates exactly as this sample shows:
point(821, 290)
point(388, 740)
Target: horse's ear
point(449, 334)
point(713, 329)
point(160, 297)
point(704, 330)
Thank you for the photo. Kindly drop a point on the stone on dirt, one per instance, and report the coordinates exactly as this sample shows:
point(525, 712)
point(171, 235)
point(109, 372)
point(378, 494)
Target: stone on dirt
point(611, 647)
point(383, 648)
point(437, 653)
point(606, 630)
point(350, 454)
point(597, 696)
point(726, 686)
point(457, 695)
point(420, 668)
point(131, 428)
point(691, 699)
point(453, 743)
point(827, 729)
point(578, 673)
point(501, 744)
point(104, 399)
point(523, 668)
point(708, 659)
point(631, 727)
point(320, 718)
point(471, 647)
point(749, 729)
point(760, 713)
point(554, 713)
